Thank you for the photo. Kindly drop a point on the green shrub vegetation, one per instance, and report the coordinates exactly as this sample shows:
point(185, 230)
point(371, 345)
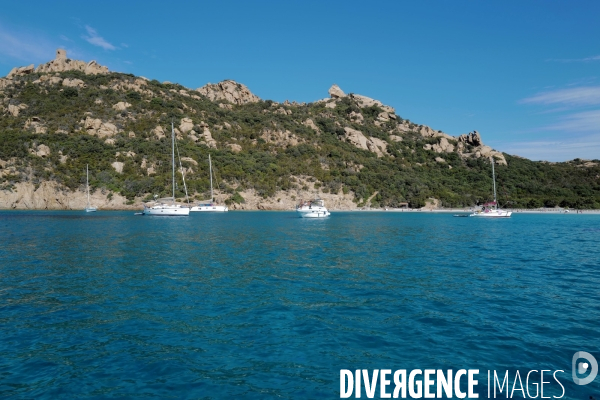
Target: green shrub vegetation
point(408, 173)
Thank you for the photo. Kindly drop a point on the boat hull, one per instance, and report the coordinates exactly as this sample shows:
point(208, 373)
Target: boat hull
point(167, 211)
point(209, 209)
point(320, 212)
point(492, 214)
point(90, 209)
point(315, 215)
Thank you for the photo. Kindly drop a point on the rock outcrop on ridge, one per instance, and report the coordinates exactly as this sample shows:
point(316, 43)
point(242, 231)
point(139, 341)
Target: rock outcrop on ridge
point(60, 64)
point(445, 143)
point(230, 91)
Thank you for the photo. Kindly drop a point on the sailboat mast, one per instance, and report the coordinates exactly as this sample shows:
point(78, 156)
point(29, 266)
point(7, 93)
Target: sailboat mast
point(211, 185)
point(494, 181)
point(87, 182)
point(173, 157)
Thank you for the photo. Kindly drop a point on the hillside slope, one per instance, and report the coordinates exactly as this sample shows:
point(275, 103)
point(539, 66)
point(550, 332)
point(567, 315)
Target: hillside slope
point(347, 148)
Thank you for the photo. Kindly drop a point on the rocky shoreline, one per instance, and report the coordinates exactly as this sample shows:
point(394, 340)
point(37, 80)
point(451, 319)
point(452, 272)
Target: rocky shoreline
point(52, 196)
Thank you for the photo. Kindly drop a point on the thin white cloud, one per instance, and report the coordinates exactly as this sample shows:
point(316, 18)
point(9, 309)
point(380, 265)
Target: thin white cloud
point(66, 39)
point(579, 96)
point(566, 148)
point(554, 110)
point(573, 132)
point(587, 81)
point(586, 121)
point(569, 60)
point(96, 39)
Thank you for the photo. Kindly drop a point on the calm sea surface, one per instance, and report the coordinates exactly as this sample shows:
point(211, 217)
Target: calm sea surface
point(267, 305)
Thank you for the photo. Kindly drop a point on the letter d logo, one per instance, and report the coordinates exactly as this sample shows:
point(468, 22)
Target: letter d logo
point(583, 367)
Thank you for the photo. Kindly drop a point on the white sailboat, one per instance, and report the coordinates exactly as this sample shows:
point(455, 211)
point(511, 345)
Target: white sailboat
point(491, 210)
point(88, 207)
point(312, 209)
point(167, 206)
point(209, 206)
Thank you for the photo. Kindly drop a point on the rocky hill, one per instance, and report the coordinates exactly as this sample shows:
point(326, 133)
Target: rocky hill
point(349, 149)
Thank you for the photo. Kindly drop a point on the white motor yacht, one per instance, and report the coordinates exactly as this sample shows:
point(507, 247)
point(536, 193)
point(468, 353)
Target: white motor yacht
point(312, 209)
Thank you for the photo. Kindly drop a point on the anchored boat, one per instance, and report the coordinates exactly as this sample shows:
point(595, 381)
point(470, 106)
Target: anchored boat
point(312, 209)
point(209, 206)
point(88, 207)
point(167, 206)
point(491, 210)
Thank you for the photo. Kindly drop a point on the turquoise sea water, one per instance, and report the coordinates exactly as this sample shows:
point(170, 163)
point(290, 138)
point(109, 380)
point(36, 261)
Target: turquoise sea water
point(267, 305)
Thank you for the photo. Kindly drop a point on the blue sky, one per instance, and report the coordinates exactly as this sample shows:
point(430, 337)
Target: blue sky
point(525, 74)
